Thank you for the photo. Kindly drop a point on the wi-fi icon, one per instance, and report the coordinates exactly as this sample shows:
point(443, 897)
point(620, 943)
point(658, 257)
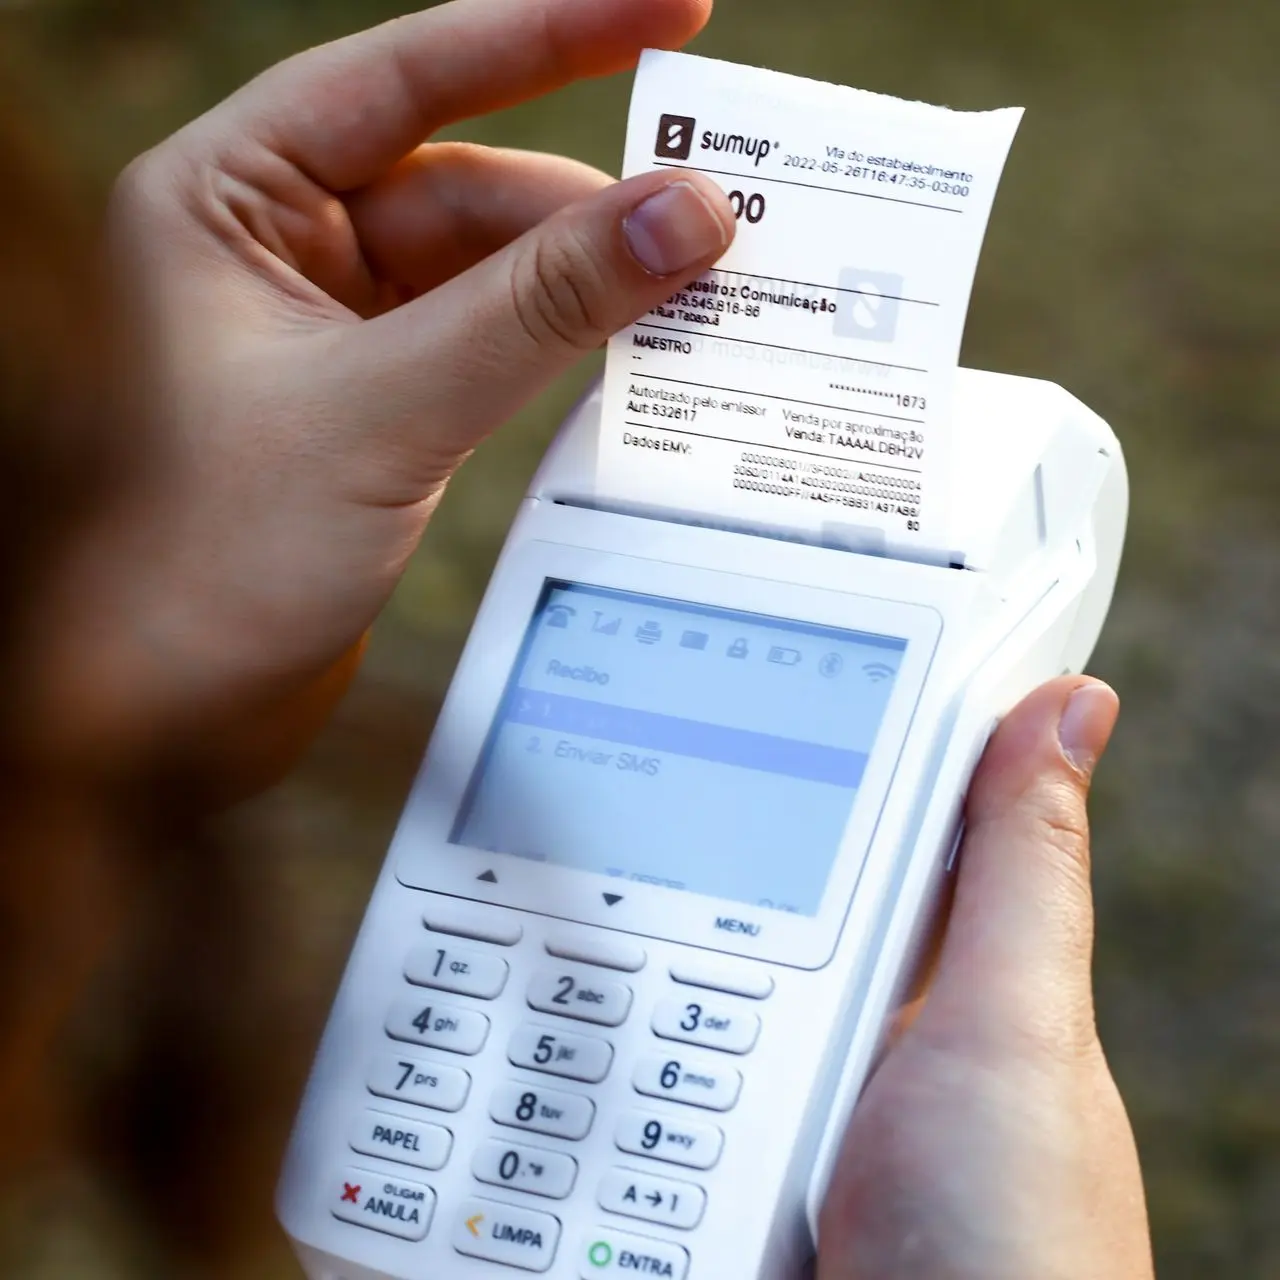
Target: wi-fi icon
point(877, 671)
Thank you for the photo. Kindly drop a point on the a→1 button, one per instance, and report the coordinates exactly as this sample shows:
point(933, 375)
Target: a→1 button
point(615, 1253)
point(640, 1195)
point(502, 1233)
point(383, 1202)
point(425, 1146)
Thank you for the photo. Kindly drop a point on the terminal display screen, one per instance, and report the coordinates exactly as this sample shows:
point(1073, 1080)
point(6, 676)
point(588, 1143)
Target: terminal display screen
point(677, 744)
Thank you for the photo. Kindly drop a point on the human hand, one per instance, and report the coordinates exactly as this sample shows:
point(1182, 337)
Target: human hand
point(331, 316)
point(991, 1143)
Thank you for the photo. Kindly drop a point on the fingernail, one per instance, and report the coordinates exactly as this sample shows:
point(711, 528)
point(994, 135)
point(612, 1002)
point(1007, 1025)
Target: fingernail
point(1086, 725)
point(674, 229)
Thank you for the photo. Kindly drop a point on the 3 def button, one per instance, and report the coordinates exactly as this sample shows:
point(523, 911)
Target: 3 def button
point(613, 1253)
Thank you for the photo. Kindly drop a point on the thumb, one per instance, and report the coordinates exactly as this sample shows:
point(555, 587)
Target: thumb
point(468, 355)
point(1014, 973)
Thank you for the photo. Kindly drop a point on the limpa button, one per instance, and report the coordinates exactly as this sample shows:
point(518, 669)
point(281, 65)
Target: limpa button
point(609, 1253)
point(502, 1233)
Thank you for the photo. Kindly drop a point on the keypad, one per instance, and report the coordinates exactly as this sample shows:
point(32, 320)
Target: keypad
point(425, 1146)
point(715, 1024)
point(605, 1252)
point(560, 1053)
point(461, 970)
point(673, 1139)
point(561, 1115)
point(383, 1202)
point(709, 1009)
point(541, 1173)
point(607, 950)
point(503, 1233)
point(579, 993)
point(425, 1084)
point(641, 1195)
point(684, 1078)
point(438, 1026)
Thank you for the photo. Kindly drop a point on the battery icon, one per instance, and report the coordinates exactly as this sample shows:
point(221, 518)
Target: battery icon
point(784, 657)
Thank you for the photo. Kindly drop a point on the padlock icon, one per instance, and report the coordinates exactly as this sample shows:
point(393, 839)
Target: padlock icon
point(738, 649)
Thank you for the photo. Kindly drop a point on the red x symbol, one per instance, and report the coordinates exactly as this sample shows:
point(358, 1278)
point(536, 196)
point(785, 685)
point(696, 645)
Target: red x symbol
point(350, 1193)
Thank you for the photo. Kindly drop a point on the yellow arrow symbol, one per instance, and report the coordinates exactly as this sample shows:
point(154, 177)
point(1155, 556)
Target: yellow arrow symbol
point(473, 1224)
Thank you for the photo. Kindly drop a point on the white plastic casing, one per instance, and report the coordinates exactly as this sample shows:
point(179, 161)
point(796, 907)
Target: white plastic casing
point(1038, 520)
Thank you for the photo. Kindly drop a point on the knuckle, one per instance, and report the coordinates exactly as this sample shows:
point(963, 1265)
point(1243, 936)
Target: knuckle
point(559, 294)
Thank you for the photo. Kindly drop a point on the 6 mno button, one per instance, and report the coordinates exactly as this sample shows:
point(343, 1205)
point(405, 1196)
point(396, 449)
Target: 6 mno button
point(614, 1253)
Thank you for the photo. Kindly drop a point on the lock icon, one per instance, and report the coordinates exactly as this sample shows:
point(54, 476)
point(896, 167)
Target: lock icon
point(738, 649)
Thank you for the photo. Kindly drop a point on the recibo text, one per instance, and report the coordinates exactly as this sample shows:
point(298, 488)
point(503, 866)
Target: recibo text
point(584, 674)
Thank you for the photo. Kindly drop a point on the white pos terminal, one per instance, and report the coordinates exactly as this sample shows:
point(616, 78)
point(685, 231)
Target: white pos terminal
point(669, 862)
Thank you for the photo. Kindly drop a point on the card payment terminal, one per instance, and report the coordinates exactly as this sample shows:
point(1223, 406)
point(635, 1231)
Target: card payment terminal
point(664, 874)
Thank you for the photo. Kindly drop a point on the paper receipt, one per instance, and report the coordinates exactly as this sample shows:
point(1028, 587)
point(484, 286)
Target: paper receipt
point(804, 383)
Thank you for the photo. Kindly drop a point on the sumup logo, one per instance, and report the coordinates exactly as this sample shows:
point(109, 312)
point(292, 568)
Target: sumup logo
point(675, 137)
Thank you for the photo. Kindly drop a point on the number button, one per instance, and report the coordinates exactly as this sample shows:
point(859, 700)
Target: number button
point(561, 1115)
point(541, 1173)
point(639, 1195)
point(713, 1024)
point(697, 1082)
point(676, 1141)
point(560, 1053)
point(425, 1084)
point(468, 973)
point(578, 993)
point(438, 1026)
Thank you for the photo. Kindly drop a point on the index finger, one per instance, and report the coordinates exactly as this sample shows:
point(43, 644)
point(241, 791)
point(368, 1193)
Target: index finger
point(345, 112)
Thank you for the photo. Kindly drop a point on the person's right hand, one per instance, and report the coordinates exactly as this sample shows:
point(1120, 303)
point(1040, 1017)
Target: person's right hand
point(991, 1143)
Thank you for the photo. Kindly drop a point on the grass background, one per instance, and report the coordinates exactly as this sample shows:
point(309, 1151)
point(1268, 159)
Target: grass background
point(1133, 257)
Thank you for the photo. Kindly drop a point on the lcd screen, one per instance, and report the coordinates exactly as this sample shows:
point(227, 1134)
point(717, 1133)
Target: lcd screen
point(677, 744)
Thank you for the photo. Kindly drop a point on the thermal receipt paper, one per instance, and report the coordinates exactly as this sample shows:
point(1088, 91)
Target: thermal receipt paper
point(804, 384)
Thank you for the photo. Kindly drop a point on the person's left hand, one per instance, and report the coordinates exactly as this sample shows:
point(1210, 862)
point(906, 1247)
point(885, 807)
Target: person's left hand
point(331, 315)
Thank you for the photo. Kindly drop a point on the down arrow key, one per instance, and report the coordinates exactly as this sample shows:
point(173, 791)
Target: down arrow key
point(611, 899)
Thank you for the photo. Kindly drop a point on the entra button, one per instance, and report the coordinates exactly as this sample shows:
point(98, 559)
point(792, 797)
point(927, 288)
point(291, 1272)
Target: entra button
point(614, 1253)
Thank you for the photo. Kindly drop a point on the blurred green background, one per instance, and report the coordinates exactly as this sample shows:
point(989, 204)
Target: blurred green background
point(1133, 256)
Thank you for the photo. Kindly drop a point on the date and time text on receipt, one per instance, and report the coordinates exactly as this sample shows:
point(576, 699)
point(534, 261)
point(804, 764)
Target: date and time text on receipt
point(804, 384)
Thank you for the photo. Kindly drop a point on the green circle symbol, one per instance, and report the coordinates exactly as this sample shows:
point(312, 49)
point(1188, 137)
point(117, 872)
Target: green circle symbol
point(600, 1254)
